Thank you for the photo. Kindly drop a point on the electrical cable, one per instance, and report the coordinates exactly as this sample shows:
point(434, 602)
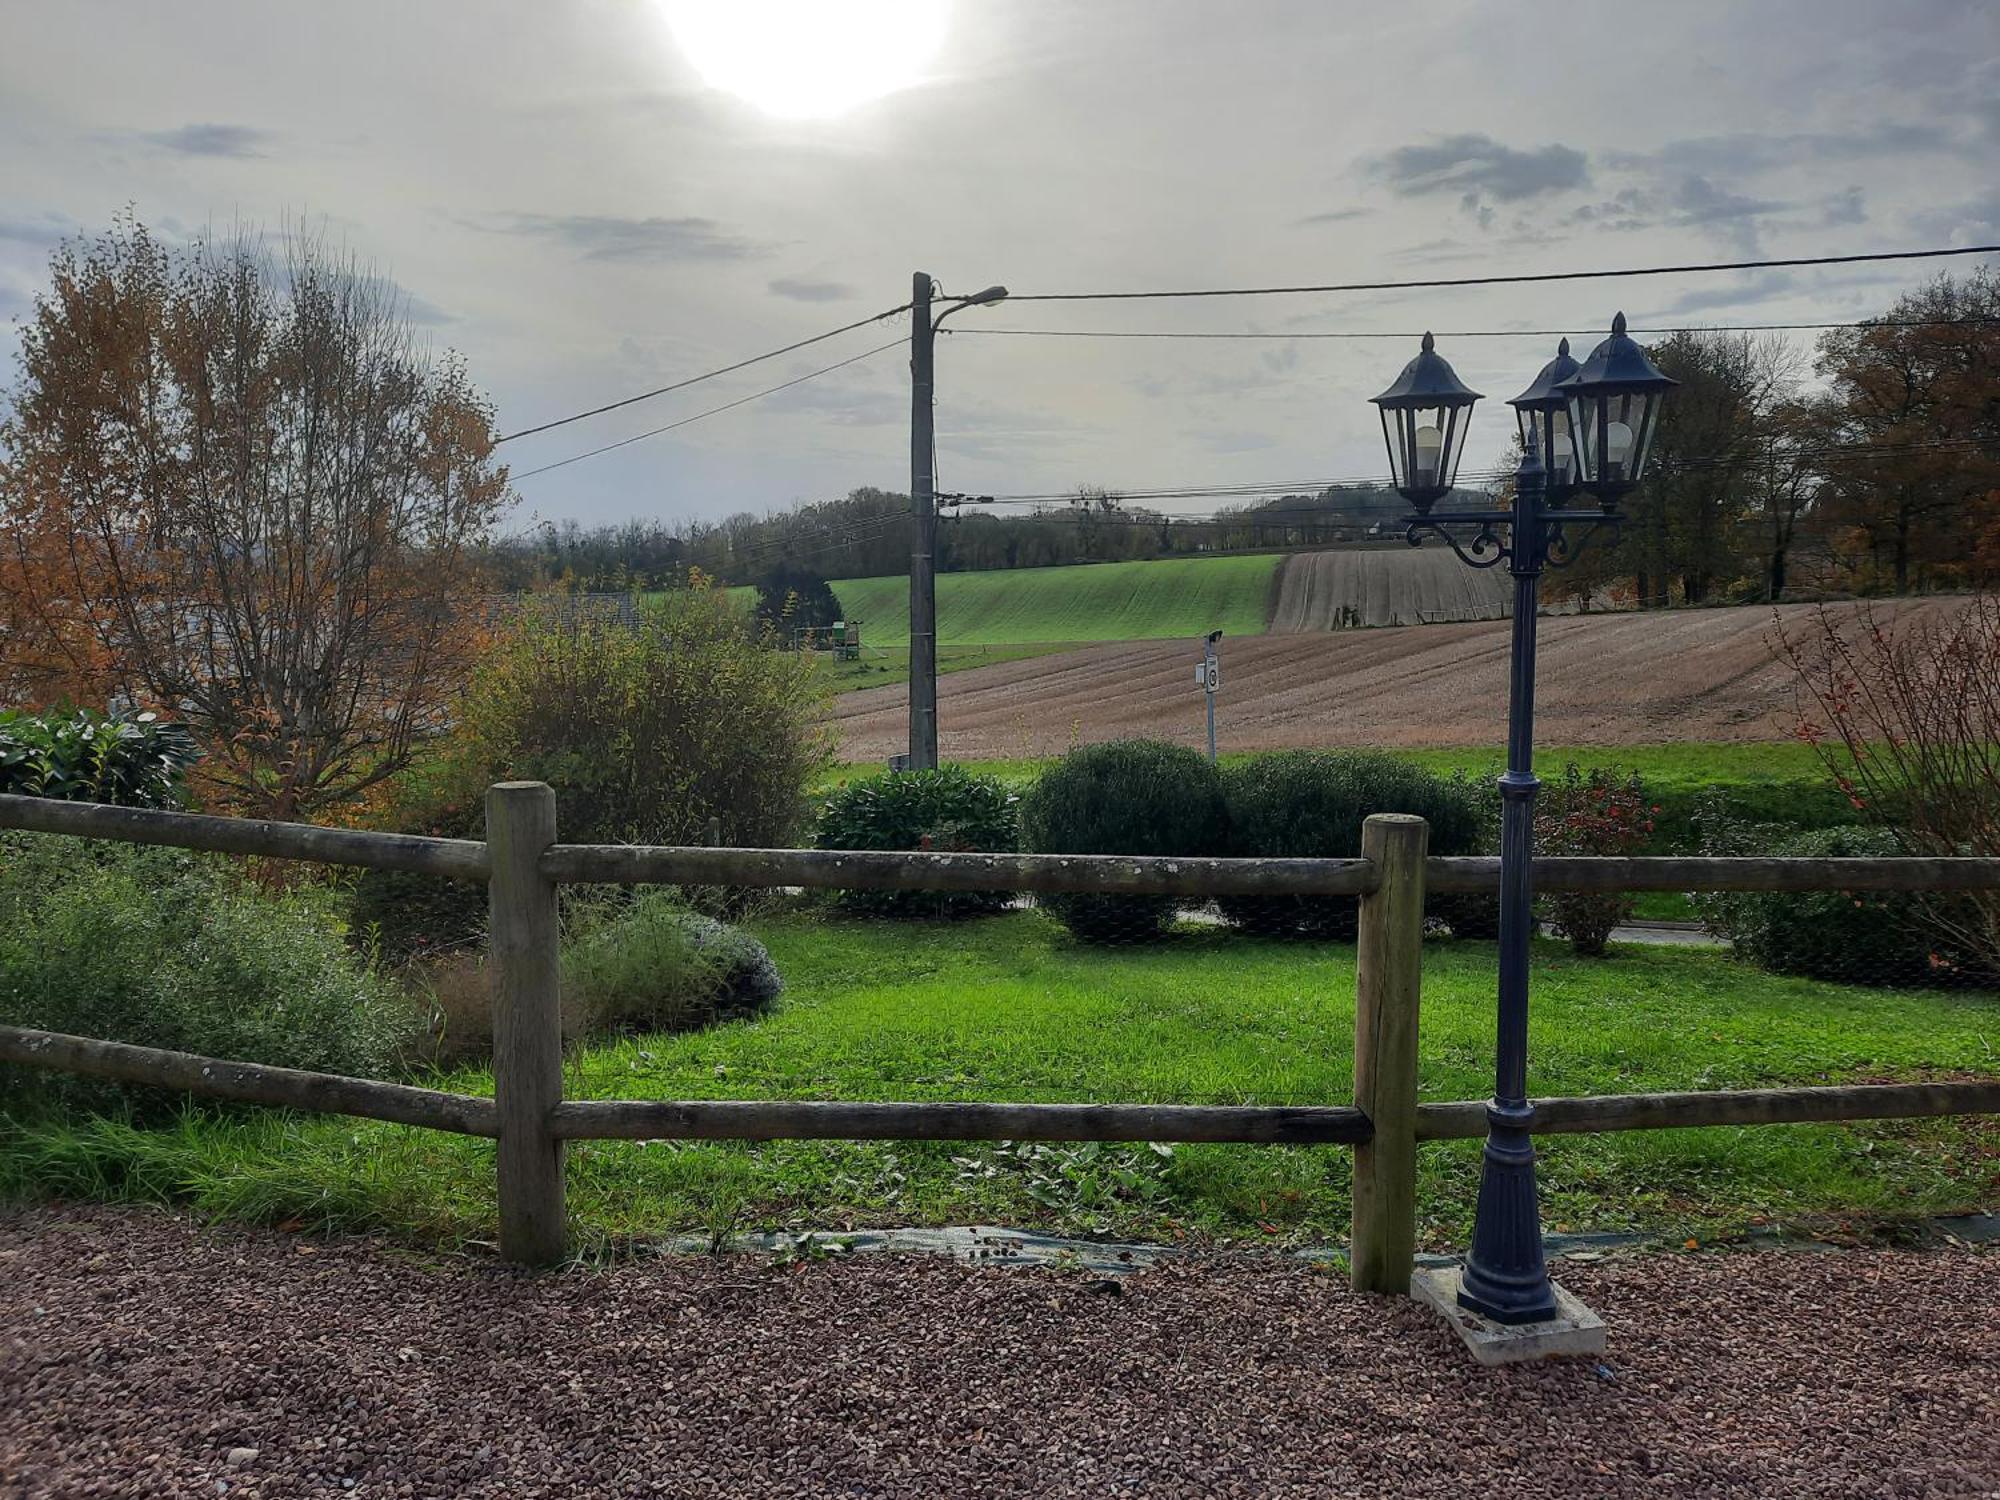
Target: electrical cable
point(713, 410)
point(681, 385)
point(1465, 333)
point(1514, 280)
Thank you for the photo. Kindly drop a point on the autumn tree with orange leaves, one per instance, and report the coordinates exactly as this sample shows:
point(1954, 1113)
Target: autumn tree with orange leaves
point(235, 487)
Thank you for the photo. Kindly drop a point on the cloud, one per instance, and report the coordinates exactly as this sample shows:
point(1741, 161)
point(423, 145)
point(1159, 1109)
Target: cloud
point(610, 238)
point(237, 141)
point(1332, 216)
point(1753, 152)
point(801, 289)
point(1477, 167)
point(41, 232)
point(1847, 207)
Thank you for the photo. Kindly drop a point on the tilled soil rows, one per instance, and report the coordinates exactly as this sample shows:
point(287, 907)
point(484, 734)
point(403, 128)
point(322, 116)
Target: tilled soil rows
point(146, 1356)
point(1617, 679)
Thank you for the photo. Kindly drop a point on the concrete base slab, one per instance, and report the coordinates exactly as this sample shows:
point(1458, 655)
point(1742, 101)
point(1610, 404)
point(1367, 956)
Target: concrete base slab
point(1574, 1330)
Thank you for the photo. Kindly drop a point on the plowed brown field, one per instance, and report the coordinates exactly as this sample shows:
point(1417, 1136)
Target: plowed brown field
point(1699, 674)
point(1397, 585)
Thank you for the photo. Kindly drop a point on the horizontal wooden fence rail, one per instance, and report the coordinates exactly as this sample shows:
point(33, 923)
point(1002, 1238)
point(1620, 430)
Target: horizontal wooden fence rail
point(1653, 872)
point(250, 1083)
point(1594, 1114)
point(925, 870)
point(780, 1119)
point(457, 859)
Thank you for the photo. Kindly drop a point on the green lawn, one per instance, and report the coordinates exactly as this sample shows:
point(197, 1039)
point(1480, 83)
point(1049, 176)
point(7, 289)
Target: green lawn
point(1009, 1008)
point(1125, 601)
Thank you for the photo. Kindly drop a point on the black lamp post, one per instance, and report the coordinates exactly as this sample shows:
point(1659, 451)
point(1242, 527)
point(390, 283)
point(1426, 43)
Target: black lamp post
point(1604, 413)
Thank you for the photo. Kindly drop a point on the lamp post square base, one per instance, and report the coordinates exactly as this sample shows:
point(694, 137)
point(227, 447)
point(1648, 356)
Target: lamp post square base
point(1574, 1330)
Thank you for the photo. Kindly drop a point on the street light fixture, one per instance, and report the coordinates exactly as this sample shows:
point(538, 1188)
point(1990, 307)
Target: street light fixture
point(1423, 421)
point(1616, 395)
point(923, 752)
point(1614, 409)
point(1542, 411)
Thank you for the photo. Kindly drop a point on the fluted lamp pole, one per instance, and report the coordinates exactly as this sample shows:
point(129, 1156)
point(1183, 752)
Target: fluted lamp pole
point(1583, 427)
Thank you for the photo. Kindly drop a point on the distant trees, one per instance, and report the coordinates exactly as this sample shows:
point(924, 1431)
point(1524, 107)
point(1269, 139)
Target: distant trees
point(236, 488)
point(1927, 377)
point(1883, 475)
point(791, 598)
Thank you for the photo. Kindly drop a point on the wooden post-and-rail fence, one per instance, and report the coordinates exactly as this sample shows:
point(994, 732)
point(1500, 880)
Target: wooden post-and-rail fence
point(523, 866)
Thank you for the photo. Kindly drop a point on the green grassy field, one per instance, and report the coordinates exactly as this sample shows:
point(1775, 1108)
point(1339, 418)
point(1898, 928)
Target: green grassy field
point(1009, 1008)
point(1126, 601)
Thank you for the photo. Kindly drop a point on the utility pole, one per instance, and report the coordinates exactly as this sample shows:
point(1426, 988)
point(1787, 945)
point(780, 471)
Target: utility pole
point(923, 531)
point(923, 754)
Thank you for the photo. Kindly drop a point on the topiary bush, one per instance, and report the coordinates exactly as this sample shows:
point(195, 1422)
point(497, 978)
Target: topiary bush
point(133, 760)
point(947, 809)
point(1310, 804)
point(168, 949)
point(1124, 797)
point(656, 966)
point(1855, 937)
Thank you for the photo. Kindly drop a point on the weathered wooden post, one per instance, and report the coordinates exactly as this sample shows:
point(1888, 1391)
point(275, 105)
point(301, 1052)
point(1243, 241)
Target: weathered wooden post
point(1388, 980)
point(527, 1021)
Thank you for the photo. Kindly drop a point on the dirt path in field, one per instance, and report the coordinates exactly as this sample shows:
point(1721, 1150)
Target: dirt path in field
point(142, 1356)
point(1397, 585)
point(1640, 678)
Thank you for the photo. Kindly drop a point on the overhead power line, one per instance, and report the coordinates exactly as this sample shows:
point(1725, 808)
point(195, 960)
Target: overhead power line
point(713, 410)
point(1515, 280)
point(1246, 489)
point(681, 385)
point(1462, 333)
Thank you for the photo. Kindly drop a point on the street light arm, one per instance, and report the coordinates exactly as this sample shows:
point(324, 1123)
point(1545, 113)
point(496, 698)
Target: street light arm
point(986, 298)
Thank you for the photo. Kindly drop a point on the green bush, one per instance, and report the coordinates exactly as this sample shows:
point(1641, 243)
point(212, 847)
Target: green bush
point(168, 949)
point(1124, 797)
point(646, 731)
point(656, 966)
point(134, 760)
point(1310, 804)
point(1855, 937)
point(947, 809)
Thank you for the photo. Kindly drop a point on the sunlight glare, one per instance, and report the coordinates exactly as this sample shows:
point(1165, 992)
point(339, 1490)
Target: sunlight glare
point(808, 59)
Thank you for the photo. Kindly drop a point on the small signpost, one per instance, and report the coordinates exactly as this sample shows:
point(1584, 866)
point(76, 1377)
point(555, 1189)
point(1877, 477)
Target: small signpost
point(1208, 677)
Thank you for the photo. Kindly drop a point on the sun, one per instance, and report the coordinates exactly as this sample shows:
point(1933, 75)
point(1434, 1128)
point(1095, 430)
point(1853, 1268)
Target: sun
point(808, 59)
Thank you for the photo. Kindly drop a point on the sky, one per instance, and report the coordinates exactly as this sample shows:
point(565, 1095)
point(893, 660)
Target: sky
point(573, 205)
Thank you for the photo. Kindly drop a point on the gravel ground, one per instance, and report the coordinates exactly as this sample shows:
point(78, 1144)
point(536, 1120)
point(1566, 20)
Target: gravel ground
point(145, 1356)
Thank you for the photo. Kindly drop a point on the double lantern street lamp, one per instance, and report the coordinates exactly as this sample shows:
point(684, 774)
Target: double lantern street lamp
point(1583, 428)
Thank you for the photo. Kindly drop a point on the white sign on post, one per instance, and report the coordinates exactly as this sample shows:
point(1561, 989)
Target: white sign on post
point(1210, 674)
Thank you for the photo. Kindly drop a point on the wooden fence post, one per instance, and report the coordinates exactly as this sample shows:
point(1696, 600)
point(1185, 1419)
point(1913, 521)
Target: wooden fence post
point(527, 1022)
point(1388, 980)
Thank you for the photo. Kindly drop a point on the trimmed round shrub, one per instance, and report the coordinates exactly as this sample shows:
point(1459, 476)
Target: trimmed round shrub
point(948, 809)
point(1124, 797)
point(1855, 937)
point(659, 967)
point(1310, 804)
